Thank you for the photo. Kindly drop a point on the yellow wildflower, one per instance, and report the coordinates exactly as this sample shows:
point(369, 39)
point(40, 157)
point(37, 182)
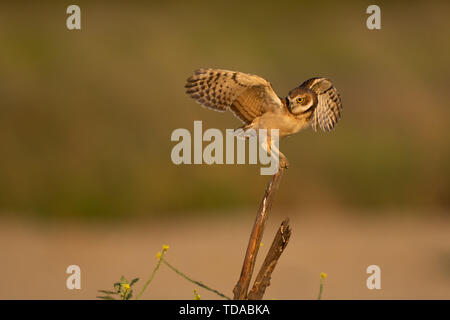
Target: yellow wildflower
point(165, 247)
point(159, 255)
point(323, 275)
point(126, 286)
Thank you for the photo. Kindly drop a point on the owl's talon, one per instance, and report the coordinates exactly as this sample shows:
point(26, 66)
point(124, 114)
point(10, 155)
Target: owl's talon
point(284, 163)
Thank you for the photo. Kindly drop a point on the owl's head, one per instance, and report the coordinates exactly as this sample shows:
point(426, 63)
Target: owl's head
point(301, 100)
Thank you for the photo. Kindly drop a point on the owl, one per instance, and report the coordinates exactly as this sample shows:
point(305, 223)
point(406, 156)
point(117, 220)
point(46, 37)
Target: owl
point(315, 102)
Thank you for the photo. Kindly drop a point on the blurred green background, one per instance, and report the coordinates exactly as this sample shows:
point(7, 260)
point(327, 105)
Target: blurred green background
point(86, 116)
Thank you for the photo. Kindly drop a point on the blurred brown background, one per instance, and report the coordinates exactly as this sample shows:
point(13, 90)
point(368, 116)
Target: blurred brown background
point(86, 176)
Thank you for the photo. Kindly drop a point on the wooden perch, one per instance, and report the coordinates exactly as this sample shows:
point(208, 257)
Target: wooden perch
point(262, 280)
point(241, 289)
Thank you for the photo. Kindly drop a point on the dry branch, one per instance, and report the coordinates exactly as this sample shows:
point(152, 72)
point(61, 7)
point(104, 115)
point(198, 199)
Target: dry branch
point(279, 243)
point(241, 289)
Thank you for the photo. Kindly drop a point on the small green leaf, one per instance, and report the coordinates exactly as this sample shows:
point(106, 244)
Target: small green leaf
point(134, 281)
point(107, 292)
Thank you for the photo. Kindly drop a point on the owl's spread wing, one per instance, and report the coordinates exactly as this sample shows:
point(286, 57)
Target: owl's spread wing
point(247, 96)
point(329, 106)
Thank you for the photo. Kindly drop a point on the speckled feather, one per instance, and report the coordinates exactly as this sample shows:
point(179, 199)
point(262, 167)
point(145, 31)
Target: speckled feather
point(247, 96)
point(250, 96)
point(329, 106)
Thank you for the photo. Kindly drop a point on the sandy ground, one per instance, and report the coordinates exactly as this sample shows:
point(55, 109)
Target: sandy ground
point(413, 252)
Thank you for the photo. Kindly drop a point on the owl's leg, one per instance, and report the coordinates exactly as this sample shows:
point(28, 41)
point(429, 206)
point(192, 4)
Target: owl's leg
point(284, 163)
point(273, 151)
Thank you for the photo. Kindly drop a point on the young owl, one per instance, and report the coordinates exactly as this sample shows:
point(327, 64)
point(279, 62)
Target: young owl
point(315, 102)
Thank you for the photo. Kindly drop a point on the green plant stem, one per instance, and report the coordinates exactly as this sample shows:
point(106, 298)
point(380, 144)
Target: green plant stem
point(320, 290)
point(152, 276)
point(193, 281)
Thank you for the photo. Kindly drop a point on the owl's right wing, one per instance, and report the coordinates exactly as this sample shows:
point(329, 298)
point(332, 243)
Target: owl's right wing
point(247, 96)
point(329, 106)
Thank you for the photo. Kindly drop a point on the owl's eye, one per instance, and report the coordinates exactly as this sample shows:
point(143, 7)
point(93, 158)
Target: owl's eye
point(300, 100)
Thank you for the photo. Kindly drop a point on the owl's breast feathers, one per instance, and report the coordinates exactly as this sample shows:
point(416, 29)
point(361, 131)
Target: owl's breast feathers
point(286, 123)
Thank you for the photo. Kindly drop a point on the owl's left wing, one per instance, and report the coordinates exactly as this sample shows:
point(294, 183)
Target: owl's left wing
point(329, 106)
point(247, 96)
